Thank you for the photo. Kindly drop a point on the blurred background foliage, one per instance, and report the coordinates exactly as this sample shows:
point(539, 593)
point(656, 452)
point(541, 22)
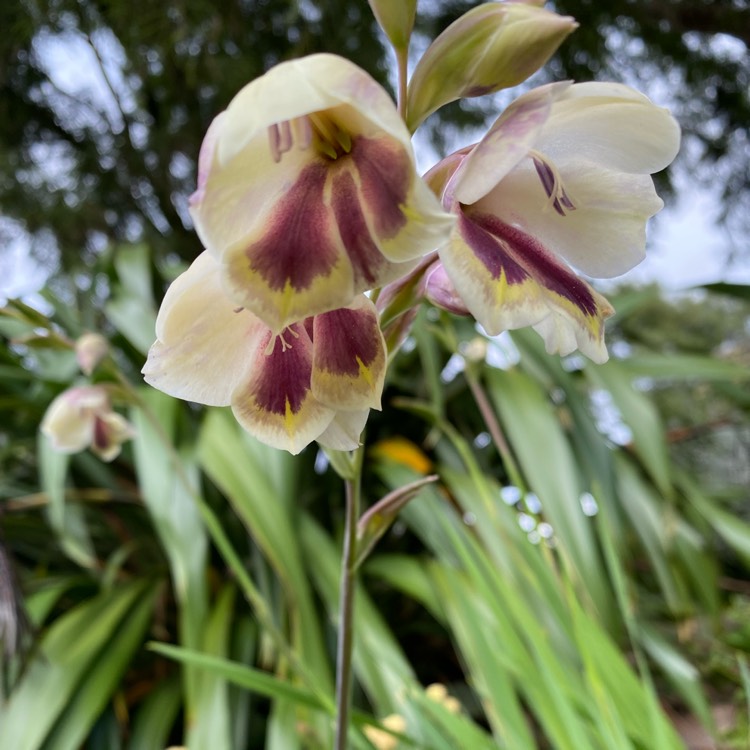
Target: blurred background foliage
point(579, 577)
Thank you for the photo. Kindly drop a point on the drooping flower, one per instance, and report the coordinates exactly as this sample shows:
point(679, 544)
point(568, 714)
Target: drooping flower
point(316, 380)
point(307, 192)
point(82, 418)
point(562, 177)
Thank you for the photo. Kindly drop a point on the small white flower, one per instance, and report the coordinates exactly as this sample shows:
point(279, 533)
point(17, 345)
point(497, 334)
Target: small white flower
point(81, 418)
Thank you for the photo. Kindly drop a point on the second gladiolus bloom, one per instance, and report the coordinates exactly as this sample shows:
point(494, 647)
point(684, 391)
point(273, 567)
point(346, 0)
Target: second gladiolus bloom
point(316, 380)
point(562, 177)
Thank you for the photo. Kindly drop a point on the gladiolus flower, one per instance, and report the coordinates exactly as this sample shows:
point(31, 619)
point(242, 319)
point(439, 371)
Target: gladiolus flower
point(307, 192)
point(562, 175)
point(316, 380)
point(82, 418)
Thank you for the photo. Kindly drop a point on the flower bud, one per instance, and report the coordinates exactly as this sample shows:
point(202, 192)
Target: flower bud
point(493, 46)
point(384, 740)
point(439, 693)
point(82, 418)
point(91, 349)
point(440, 291)
point(396, 18)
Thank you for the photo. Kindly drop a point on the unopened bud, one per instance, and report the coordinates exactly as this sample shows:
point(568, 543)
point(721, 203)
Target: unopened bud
point(384, 740)
point(439, 693)
point(396, 18)
point(492, 47)
point(440, 291)
point(91, 349)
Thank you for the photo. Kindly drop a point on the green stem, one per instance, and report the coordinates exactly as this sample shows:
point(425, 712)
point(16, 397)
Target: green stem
point(346, 609)
point(402, 58)
point(493, 426)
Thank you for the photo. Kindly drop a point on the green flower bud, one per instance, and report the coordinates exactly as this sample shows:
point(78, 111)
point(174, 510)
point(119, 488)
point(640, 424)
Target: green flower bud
point(492, 47)
point(396, 18)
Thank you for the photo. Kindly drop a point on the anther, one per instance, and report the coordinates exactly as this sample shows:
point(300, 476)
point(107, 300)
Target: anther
point(552, 184)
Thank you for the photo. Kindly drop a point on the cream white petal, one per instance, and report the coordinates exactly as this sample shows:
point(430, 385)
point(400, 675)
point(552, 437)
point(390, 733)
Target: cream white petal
point(219, 208)
point(303, 86)
point(505, 145)
point(112, 430)
point(69, 427)
point(344, 431)
point(563, 335)
point(606, 233)
point(613, 125)
point(204, 343)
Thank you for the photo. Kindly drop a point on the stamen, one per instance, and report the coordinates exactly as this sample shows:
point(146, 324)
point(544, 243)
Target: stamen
point(322, 126)
point(238, 309)
point(328, 149)
point(302, 132)
point(552, 184)
point(284, 343)
point(274, 142)
point(331, 140)
point(279, 139)
point(285, 136)
point(344, 140)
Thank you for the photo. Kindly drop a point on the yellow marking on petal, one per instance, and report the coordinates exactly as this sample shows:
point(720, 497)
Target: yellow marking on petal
point(289, 419)
point(411, 213)
point(365, 372)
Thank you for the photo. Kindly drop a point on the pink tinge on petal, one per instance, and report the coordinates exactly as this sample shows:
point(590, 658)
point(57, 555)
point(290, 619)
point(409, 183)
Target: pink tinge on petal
point(298, 245)
point(385, 174)
point(206, 158)
point(281, 376)
point(345, 340)
point(439, 290)
point(494, 242)
point(365, 257)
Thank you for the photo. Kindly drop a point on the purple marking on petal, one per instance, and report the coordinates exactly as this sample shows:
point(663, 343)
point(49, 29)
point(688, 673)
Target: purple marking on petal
point(545, 175)
point(536, 260)
point(342, 336)
point(283, 375)
point(561, 201)
point(385, 172)
point(101, 436)
point(297, 246)
point(364, 254)
point(490, 250)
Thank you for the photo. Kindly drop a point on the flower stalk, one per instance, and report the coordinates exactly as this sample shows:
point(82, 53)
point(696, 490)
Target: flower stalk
point(346, 606)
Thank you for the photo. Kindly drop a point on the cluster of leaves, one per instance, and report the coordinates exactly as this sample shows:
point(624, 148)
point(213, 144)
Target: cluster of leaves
point(562, 584)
